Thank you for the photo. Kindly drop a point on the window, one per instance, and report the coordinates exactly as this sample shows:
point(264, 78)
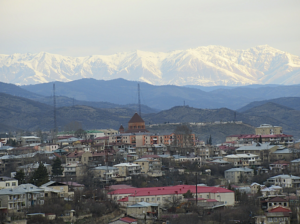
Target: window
point(152, 199)
point(142, 199)
point(164, 198)
point(147, 199)
point(41, 202)
point(7, 184)
point(13, 184)
point(158, 199)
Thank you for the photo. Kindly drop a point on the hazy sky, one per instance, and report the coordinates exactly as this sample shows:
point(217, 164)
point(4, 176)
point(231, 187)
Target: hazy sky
point(82, 28)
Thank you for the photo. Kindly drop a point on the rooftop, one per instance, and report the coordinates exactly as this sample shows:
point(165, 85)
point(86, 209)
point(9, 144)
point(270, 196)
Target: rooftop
point(238, 156)
point(244, 169)
point(126, 164)
point(169, 190)
point(105, 168)
point(285, 176)
point(136, 119)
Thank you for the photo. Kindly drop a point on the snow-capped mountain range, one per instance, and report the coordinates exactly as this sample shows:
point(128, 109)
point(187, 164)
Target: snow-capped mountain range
point(206, 66)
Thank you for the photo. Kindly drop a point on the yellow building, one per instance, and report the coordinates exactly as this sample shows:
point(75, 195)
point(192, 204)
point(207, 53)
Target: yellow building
point(267, 129)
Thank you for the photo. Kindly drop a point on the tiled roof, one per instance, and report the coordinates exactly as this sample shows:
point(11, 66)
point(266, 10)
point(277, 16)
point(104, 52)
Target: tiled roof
point(278, 199)
point(128, 219)
point(279, 209)
point(123, 199)
point(136, 119)
point(178, 189)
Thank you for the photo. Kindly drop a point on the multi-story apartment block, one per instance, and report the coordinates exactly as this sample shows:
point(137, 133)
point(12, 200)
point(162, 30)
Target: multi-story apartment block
point(267, 129)
point(243, 160)
point(27, 140)
point(236, 175)
point(73, 170)
point(287, 181)
point(150, 166)
point(128, 169)
point(21, 197)
point(263, 150)
point(295, 165)
point(105, 172)
point(7, 182)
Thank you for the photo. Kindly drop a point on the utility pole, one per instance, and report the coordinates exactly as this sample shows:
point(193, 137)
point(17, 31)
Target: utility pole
point(54, 110)
point(139, 100)
point(196, 188)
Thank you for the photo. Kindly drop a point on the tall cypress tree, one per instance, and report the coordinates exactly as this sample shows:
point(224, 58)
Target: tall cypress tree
point(20, 176)
point(40, 176)
point(210, 140)
point(260, 139)
point(57, 169)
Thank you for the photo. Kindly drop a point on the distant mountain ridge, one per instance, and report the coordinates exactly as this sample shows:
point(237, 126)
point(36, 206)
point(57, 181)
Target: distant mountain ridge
point(21, 113)
point(121, 91)
point(207, 66)
point(290, 102)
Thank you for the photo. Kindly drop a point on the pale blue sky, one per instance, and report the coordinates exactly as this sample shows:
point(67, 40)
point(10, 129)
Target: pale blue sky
point(82, 28)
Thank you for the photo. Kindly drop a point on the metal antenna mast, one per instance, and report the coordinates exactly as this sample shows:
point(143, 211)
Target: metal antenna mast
point(54, 108)
point(139, 100)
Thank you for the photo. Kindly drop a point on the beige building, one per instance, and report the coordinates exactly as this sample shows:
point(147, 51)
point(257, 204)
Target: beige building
point(255, 187)
point(295, 165)
point(21, 197)
point(267, 129)
point(7, 182)
point(109, 132)
point(160, 195)
point(284, 180)
point(74, 170)
point(61, 189)
point(128, 169)
point(105, 172)
point(27, 140)
point(263, 150)
point(150, 166)
point(243, 160)
point(236, 175)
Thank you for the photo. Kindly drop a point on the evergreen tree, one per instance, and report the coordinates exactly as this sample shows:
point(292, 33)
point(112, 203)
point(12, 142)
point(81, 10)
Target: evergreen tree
point(57, 169)
point(20, 176)
point(259, 192)
point(210, 140)
point(188, 194)
point(260, 139)
point(40, 176)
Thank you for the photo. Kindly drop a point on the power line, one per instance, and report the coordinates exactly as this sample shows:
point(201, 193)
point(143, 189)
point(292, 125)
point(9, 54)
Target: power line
point(54, 108)
point(139, 100)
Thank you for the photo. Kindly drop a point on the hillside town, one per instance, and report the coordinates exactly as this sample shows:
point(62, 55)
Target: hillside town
point(134, 176)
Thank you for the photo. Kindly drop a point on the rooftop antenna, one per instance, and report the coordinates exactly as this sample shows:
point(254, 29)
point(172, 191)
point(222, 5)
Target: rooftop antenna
point(54, 108)
point(139, 100)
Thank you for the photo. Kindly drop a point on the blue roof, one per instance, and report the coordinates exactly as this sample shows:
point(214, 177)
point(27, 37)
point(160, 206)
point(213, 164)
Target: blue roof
point(142, 204)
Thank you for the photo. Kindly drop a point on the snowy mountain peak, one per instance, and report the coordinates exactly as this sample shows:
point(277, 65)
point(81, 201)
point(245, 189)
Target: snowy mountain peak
point(205, 65)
